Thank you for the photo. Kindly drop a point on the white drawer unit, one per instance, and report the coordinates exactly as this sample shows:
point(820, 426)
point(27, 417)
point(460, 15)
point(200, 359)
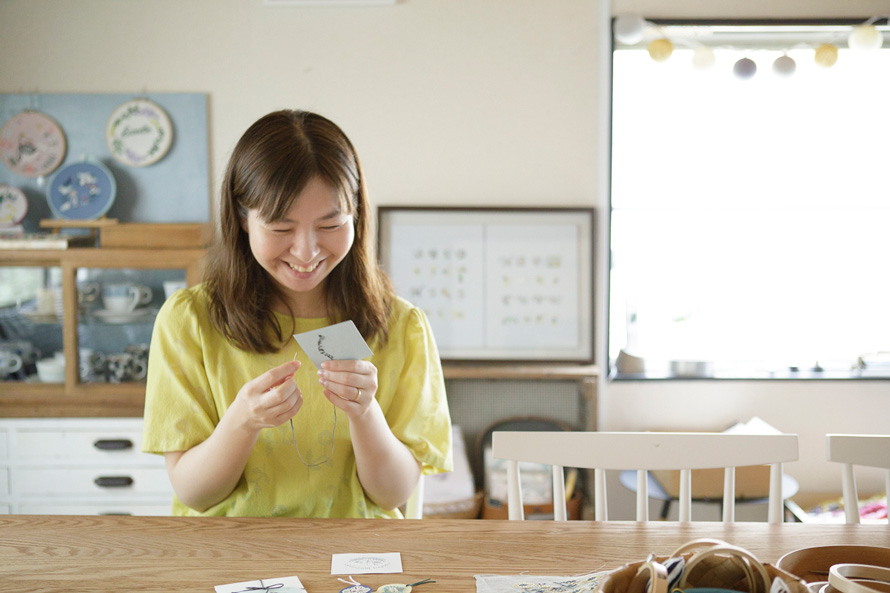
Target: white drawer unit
point(82, 466)
point(107, 508)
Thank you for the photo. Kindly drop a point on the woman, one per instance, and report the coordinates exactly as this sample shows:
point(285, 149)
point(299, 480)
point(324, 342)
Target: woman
point(247, 425)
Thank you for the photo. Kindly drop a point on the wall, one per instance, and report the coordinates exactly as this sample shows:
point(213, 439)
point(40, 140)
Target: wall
point(449, 102)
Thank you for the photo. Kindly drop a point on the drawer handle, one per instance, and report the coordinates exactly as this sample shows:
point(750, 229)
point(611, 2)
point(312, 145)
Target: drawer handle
point(113, 444)
point(113, 481)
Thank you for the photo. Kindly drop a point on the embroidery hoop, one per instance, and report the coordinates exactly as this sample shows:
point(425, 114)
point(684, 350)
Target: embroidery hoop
point(41, 135)
point(139, 133)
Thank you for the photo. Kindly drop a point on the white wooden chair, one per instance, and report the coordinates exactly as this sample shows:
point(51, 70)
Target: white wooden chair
point(414, 506)
point(643, 451)
point(871, 450)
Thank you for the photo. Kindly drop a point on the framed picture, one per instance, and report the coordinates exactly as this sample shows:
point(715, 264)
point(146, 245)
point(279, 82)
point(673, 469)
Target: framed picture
point(497, 284)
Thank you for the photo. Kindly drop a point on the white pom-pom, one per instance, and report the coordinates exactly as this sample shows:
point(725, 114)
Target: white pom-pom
point(629, 28)
point(703, 57)
point(865, 37)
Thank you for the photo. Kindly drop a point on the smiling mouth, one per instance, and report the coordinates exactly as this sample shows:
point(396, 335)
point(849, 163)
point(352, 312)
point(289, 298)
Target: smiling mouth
point(302, 269)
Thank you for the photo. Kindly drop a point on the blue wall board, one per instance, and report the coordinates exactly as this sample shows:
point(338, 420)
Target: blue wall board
point(174, 189)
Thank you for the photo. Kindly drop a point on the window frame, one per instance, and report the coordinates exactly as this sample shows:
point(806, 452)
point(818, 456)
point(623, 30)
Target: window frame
point(741, 374)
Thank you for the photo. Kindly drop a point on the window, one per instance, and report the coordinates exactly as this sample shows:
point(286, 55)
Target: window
point(751, 217)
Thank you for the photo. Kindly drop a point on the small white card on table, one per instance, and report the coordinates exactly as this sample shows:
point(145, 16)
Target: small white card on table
point(387, 562)
point(282, 585)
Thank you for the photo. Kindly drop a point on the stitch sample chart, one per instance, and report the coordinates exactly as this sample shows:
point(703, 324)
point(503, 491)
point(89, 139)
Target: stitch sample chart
point(496, 284)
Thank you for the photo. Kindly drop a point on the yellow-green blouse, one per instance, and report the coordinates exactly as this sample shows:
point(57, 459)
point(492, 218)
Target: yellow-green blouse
point(194, 374)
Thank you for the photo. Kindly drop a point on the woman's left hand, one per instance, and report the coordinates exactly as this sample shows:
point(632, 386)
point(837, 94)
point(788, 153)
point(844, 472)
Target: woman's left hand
point(349, 384)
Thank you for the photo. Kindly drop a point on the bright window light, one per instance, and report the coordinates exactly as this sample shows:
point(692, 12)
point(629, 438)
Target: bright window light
point(750, 217)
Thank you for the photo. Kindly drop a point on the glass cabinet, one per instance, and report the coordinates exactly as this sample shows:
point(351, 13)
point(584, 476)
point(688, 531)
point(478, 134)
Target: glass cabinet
point(75, 326)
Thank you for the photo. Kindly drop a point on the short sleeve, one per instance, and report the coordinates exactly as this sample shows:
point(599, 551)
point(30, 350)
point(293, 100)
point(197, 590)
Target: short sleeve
point(179, 408)
point(419, 415)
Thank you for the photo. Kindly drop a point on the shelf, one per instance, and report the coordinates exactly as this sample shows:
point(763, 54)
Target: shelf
point(538, 371)
point(128, 399)
point(73, 398)
point(55, 400)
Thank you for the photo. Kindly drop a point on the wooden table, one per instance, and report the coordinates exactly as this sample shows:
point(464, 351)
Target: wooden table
point(83, 553)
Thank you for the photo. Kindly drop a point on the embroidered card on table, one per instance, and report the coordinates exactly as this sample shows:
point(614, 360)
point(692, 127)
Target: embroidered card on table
point(380, 563)
point(341, 341)
point(494, 583)
point(280, 585)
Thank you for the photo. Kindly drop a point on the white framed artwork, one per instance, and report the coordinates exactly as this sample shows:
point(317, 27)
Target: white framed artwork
point(496, 283)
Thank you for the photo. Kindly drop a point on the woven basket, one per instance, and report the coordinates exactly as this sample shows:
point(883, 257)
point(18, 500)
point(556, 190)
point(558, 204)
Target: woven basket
point(716, 571)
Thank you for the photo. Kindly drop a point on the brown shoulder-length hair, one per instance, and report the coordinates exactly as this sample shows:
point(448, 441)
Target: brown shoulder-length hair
point(271, 164)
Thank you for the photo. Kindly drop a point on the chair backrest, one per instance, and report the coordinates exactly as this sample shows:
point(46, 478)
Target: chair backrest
point(872, 450)
point(513, 423)
point(643, 451)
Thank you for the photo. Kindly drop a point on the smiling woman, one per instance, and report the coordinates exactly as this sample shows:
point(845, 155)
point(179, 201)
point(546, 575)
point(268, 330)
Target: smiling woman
point(226, 377)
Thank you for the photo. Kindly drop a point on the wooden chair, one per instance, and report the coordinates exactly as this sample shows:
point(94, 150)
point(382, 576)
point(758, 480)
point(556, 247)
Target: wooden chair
point(871, 450)
point(643, 451)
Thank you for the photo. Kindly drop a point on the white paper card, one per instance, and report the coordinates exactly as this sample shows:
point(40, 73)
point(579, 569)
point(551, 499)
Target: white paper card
point(341, 341)
point(387, 562)
point(282, 585)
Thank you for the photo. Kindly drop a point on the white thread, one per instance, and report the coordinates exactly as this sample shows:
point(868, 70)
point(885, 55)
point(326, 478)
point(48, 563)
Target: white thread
point(294, 436)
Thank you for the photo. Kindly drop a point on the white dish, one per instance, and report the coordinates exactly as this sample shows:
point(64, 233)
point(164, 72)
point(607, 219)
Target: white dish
point(122, 316)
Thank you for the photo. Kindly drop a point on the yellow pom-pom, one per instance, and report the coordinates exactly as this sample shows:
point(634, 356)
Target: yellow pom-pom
point(660, 49)
point(826, 55)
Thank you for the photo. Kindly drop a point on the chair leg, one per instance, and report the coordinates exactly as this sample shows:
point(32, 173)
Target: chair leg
point(515, 509)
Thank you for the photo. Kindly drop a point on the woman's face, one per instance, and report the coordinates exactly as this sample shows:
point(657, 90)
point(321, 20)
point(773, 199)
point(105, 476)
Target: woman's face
point(300, 250)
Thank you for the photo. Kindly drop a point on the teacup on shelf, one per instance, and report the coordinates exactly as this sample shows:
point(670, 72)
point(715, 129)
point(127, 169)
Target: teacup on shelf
point(51, 370)
point(92, 365)
point(122, 298)
point(10, 363)
point(123, 367)
point(171, 286)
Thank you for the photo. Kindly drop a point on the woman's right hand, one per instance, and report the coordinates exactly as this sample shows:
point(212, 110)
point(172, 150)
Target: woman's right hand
point(269, 400)
point(208, 472)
